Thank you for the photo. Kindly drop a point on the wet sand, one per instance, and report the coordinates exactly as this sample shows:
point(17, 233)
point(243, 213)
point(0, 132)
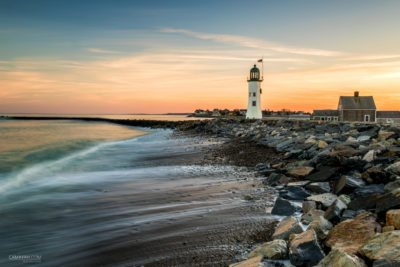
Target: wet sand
point(200, 224)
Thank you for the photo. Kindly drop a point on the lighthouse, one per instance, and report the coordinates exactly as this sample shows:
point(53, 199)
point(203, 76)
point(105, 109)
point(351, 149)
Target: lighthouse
point(254, 105)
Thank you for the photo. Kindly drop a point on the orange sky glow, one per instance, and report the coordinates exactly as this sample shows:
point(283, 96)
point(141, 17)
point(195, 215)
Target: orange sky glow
point(178, 69)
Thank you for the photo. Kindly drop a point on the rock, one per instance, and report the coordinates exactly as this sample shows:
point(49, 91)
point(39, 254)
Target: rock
point(383, 135)
point(275, 179)
point(286, 227)
point(385, 246)
point(310, 140)
point(349, 214)
point(345, 199)
point(347, 184)
point(392, 186)
point(325, 199)
point(386, 263)
point(369, 190)
point(319, 187)
point(282, 145)
point(351, 164)
point(393, 218)
point(253, 262)
point(351, 234)
point(283, 207)
point(394, 168)
point(298, 183)
point(311, 215)
point(275, 250)
point(294, 193)
point(351, 139)
point(321, 226)
point(338, 257)
point(375, 175)
point(388, 201)
point(322, 174)
point(300, 172)
point(367, 197)
point(363, 138)
point(322, 144)
point(304, 249)
point(262, 166)
point(308, 205)
point(369, 156)
point(334, 211)
point(388, 229)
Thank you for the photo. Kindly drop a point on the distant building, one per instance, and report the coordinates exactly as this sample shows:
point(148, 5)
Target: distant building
point(254, 104)
point(216, 113)
point(357, 108)
point(350, 108)
point(325, 115)
point(388, 116)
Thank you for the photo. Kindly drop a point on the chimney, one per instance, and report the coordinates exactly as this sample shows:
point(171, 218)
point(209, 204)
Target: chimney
point(356, 93)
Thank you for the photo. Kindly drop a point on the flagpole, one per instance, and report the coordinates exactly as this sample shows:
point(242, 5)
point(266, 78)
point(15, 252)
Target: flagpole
point(262, 61)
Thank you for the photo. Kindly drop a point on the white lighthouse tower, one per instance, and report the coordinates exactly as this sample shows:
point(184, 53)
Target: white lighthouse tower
point(254, 105)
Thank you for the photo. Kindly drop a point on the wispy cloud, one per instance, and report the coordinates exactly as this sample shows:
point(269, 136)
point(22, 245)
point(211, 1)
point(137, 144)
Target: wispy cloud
point(245, 41)
point(102, 51)
point(372, 57)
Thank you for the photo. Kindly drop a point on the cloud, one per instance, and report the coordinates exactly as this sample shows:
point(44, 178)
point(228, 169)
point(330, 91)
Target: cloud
point(102, 51)
point(372, 57)
point(255, 43)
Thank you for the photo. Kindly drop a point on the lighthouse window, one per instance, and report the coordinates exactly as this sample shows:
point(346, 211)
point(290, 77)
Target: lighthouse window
point(254, 94)
point(254, 103)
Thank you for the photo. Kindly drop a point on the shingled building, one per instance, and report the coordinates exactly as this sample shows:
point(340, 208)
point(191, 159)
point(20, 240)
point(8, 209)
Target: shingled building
point(350, 108)
point(357, 108)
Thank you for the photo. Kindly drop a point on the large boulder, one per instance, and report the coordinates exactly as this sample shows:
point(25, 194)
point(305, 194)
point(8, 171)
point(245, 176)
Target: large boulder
point(334, 211)
point(386, 263)
point(338, 257)
point(393, 218)
point(388, 201)
point(321, 226)
point(304, 249)
point(253, 262)
point(389, 187)
point(286, 227)
point(382, 246)
point(394, 168)
point(275, 250)
point(294, 193)
point(351, 234)
point(366, 197)
point(283, 207)
point(322, 174)
point(347, 184)
point(275, 179)
point(376, 175)
point(311, 215)
point(308, 205)
point(300, 171)
point(325, 199)
point(319, 187)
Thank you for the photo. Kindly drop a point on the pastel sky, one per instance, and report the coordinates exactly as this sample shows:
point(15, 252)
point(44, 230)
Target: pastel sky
point(176, 56)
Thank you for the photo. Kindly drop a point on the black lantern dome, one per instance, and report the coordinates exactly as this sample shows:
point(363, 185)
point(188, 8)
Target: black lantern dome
point(254, 74)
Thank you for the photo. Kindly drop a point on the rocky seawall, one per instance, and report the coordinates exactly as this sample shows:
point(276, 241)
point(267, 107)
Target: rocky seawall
point(339, 189)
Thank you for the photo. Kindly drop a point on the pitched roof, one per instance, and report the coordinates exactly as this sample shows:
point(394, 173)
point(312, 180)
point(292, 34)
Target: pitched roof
point(388, 114)
point(325, 112)
point(359, 102)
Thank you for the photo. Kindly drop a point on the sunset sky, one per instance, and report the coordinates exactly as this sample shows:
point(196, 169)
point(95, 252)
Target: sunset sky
point(176, 56)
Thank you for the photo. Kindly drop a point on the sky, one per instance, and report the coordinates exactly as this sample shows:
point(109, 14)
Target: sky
point(118, 57)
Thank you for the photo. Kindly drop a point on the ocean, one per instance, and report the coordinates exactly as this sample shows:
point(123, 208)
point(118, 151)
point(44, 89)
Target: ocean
point(76, 193)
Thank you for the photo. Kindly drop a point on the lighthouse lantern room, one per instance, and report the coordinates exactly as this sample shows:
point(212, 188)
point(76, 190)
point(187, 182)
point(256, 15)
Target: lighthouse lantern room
point(254, 104)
